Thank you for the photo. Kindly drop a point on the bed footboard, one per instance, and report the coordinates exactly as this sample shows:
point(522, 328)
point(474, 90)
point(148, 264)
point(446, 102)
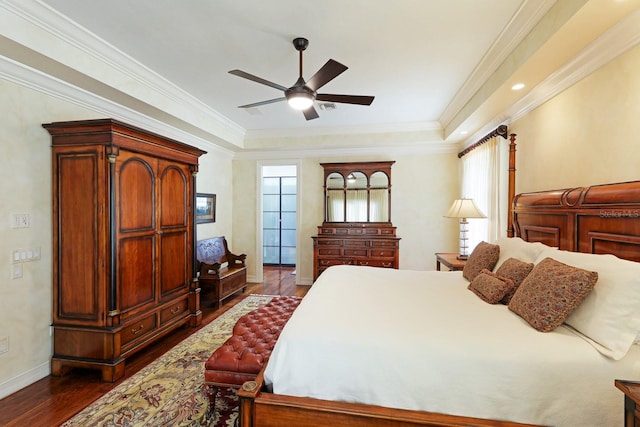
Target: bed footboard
point(259, 408)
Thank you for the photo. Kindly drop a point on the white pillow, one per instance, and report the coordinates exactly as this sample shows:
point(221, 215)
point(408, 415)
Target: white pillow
point(515, 247)
point(609, 317)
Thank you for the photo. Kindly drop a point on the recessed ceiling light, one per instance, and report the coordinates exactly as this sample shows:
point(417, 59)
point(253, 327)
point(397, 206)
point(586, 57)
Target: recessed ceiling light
point(464, 132)
point(517, 86)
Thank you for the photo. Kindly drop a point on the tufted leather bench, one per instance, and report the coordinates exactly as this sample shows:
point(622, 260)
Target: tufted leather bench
point(246, 352)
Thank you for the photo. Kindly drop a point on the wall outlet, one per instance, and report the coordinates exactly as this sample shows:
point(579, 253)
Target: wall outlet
point(4, 345)
point(20, 221)
point(16, 271)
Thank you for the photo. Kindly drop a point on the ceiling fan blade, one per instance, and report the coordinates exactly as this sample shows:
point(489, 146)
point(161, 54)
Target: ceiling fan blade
point(257, 104)
point(328, 72)
point(345, 99)
point(257, 79)
point(310, 113)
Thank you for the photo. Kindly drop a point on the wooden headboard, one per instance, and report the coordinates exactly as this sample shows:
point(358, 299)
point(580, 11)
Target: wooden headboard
point(601, 219)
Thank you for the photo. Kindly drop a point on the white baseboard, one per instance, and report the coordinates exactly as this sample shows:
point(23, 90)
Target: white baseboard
point(25, 379)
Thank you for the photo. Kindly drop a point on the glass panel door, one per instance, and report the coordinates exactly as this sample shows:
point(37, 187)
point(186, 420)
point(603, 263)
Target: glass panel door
point(279, 216)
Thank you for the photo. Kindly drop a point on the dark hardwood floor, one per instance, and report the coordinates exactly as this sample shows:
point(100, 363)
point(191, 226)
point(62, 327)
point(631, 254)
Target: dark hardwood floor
point(52, 400)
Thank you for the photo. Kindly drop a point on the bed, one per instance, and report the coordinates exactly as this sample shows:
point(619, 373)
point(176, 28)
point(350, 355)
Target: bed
point(434, 353)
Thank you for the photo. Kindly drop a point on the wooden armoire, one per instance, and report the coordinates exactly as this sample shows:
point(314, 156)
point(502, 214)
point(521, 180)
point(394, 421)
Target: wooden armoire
point(123, 242)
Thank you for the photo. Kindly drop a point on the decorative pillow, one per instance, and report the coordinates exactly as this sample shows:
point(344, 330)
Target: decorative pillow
point(515, 270)
point(549, 294)
point(490, 287)
point(485, 255)
point(609, 318)
point(515, 247)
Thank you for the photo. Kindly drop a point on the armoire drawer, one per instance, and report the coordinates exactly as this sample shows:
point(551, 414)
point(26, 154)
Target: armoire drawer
point(137, 329)
point(174, 311)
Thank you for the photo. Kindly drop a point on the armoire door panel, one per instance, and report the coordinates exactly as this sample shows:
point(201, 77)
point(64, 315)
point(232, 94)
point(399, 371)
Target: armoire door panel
point(174, 196)
point(78, 294)
point(173, 262)
point(136, 279)
point(135, 193)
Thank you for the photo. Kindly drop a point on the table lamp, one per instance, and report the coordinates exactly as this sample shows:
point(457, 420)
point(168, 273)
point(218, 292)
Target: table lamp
point(463, 209)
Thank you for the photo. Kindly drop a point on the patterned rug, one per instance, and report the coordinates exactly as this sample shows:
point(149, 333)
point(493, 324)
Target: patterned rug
point(169, 391)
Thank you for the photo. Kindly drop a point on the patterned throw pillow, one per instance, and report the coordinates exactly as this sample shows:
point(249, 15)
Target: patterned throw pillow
point(490, 287)
point(515, 270)
point(485, 255)
point(549, 294)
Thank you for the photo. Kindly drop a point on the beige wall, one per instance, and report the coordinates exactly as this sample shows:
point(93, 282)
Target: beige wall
point(587, 135)
point(25, 188)
point(423, 186)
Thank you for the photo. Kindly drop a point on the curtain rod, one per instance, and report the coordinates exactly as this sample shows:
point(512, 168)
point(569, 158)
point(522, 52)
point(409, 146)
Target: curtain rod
point(499, 131)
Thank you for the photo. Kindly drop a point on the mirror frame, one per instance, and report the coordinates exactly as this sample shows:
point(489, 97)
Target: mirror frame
point(366, 168)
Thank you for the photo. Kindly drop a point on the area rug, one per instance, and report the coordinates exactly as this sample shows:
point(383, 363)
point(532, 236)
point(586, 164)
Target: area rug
point(169, 391)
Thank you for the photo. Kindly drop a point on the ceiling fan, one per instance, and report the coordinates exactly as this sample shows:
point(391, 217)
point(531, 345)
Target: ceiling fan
point(302, 94)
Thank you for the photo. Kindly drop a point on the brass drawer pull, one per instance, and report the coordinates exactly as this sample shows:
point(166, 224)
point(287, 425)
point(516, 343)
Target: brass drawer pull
point(135, 331)
point(175, 310)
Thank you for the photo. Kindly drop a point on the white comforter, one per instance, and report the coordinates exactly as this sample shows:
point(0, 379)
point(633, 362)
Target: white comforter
point(420, 340)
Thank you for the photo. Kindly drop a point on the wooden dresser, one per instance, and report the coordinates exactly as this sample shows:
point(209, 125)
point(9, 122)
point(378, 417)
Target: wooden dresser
point(357, 229)
point(371, 244)
point(123, 242)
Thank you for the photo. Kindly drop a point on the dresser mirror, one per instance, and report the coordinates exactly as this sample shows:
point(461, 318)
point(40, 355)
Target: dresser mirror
point(357, 192)
point(357, 228)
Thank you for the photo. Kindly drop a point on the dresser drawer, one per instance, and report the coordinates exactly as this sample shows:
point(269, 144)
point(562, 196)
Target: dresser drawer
point(329, 251)
point(329, 242)
point(174, 311)
point(382, 253)
point(138, 328)
point(334, 261)
point(377, 263)
point(355, 252)
point(356, 231)
point(351, 243)
point(375, 243)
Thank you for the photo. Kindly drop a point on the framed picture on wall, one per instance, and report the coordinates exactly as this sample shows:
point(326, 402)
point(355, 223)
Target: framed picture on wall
point(205, 208)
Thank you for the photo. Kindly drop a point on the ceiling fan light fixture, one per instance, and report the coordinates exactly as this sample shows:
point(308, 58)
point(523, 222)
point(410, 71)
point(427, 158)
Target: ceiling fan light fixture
point(300, 101)
point(299, 96)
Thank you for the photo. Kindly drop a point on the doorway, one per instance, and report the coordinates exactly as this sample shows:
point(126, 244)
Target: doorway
point(279, 215)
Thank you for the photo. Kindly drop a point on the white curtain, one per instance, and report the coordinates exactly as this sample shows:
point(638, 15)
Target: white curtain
point(485, 178)
point(335, 205)
point(379, 201)
point(357, 205)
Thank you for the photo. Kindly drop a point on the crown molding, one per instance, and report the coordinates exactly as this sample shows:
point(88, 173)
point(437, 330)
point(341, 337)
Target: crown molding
point(329, 152)
point(343, 130)
point(523, 21)
point(77, 37)
point(36, 80)
point(613, 43)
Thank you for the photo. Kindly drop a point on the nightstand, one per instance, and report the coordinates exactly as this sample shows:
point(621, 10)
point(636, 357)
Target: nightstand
point(631, 390)
point(450, 261)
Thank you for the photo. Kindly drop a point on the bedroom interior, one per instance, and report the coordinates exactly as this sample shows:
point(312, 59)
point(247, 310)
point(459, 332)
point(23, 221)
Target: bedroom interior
point(576, 125)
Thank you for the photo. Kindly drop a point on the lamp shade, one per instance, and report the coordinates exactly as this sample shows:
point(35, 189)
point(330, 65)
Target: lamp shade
point(464, 208)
